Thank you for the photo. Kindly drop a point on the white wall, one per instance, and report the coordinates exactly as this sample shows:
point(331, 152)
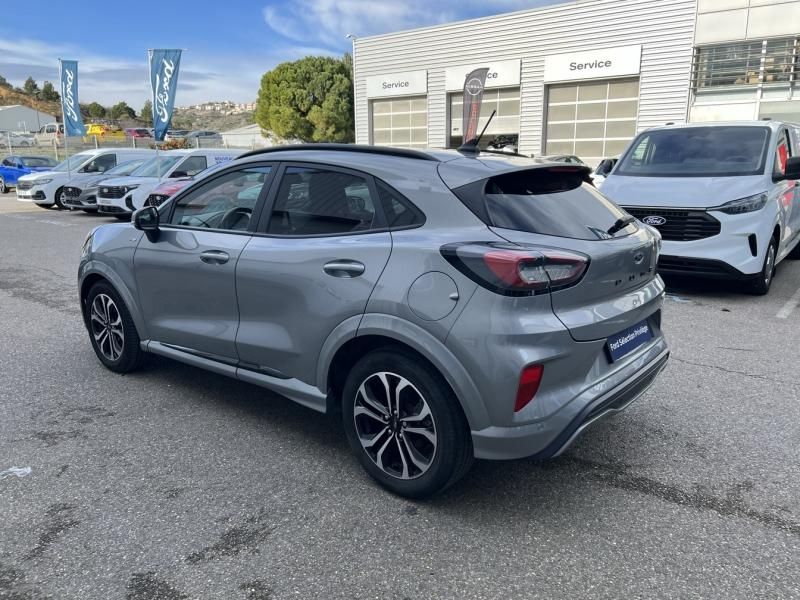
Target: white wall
point(11, 118)
point(733, 20)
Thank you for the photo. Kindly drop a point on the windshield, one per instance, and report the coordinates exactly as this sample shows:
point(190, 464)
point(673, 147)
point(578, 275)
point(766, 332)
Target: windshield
point(125, 168)
point(37, 161)
point(726, 151)
point(156, 167)
point(72, 163)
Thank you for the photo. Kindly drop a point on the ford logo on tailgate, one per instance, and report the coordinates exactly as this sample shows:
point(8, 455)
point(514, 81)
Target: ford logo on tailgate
point(654, 220)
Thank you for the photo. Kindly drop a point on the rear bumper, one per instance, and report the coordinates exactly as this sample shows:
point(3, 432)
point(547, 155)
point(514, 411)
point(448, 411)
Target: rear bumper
point(547, 439)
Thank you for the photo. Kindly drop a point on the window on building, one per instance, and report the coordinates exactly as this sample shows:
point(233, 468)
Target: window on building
point(746, 63)
point(593, 119)
point(400, 122)
point(503, 131)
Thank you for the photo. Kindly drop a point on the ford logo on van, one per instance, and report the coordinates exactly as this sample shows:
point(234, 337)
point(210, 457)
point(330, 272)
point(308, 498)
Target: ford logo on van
point(654, 220)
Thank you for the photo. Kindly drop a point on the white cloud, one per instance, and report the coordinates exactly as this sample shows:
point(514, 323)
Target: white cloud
point(329, 21)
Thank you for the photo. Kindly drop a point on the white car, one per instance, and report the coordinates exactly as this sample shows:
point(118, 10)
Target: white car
point(724, 196)
point(16, 140)
point(123, 195)
point(45, 188)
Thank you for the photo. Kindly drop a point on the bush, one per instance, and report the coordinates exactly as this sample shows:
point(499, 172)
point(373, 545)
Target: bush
point(179, 144)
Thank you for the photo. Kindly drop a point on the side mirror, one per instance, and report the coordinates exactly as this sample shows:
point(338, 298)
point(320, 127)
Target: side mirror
point(146, 219)
point(792, 171)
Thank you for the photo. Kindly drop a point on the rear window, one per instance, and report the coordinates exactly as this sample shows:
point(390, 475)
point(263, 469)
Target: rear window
point(721, 151)
point(555, 202)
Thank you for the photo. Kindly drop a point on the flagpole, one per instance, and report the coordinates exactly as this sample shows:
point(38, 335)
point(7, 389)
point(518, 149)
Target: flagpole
point(63, 119)
point(153, 108)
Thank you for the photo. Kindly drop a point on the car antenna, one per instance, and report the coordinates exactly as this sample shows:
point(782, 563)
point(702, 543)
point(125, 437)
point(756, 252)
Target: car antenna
point(471, 146)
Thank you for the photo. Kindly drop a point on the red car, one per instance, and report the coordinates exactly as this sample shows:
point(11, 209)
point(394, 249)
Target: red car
point(138, 132)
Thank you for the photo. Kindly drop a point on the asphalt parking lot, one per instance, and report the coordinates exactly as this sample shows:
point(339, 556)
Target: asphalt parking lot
point(175, 483)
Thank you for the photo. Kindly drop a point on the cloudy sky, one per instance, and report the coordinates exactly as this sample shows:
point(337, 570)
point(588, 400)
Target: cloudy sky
point(229, 44)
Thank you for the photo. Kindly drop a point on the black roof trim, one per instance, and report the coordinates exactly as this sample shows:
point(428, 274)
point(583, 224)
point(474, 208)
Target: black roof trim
point(383, 150)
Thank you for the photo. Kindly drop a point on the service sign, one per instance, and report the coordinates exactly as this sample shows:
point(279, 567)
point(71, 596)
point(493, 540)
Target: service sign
point(593, 64)
point(503, 73)
point(409, 83)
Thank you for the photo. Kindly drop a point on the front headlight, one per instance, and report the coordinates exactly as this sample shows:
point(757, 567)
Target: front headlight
point(743, 205)
point(41, 181)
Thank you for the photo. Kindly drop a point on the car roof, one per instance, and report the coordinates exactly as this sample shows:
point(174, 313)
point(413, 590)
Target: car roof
point(765, 123)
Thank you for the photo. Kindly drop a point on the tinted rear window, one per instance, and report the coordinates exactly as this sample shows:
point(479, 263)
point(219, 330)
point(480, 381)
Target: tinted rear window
point(720, 151)
point(545, 201)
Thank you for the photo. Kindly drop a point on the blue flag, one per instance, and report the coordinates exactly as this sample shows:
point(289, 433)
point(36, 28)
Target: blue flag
point(164, 82)
point(73, 123)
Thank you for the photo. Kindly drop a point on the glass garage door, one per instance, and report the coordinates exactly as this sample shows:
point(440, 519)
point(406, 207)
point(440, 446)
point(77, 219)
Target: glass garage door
point(593, 120)
point(400, 122)
point(503, 131)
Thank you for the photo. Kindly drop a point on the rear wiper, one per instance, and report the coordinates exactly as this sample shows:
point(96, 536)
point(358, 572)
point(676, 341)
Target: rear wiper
point(620, 225)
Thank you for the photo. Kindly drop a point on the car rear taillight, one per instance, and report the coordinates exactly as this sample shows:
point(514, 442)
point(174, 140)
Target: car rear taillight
point(513, 270)
point(529, 381)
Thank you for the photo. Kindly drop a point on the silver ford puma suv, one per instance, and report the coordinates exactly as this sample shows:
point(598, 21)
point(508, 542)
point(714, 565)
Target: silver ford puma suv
point(450, 306)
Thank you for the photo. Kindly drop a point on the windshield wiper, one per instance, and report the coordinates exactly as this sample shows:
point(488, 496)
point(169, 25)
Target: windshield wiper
point(620, 224)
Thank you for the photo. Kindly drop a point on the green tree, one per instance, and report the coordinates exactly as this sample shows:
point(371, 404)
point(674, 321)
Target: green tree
point(310, 99)
point(49, 93)
point(4, 83)
point(146, 114)
point(96, 110)
point(30, 87)
point(121, 110)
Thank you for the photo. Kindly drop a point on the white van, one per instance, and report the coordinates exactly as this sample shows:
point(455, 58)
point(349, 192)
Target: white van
point(121, 196)
point(724, 196)
point(44, 188)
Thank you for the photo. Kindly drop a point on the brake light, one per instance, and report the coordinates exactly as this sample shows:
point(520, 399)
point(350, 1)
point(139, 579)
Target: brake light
point(513, 270)
point(529, 381)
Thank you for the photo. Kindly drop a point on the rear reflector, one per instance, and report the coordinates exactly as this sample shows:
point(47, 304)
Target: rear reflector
point(529, 381)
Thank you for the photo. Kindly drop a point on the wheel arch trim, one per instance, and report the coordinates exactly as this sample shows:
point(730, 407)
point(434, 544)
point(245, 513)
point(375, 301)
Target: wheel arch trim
point(99, 269)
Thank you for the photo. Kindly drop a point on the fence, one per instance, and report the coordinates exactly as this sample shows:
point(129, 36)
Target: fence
point(59, 152)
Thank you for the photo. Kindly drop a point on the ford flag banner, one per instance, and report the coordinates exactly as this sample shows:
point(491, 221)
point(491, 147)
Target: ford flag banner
point(73, 123)
point(164, 82)
point(473, 97)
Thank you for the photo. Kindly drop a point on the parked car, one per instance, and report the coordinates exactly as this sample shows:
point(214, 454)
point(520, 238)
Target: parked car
point(81, 192)
point(560, 158)
point(603, 169)
point(176, 134)
point(102, 131)
point(138, 132)
point(45, 188)
point(723, 195)
point(14, 167)
point(16, 140)
point(50, 134)
point(504, 143)
point(122, 195)
point(450, 307)
point(166, 189)
point(203, 137)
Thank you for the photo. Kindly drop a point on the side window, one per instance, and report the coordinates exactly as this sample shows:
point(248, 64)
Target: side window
point(399, 212)
point(226, 202)
point(105, 162)
point(193, 165)
point(7, 162)
point(782, 152)
point(313, 201)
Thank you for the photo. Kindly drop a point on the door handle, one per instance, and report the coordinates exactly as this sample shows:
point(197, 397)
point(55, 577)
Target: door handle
point(217, 257)
point(344, 268)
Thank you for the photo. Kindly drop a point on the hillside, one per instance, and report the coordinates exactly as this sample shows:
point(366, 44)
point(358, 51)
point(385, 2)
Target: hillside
point(189, 118)
point(9, 97)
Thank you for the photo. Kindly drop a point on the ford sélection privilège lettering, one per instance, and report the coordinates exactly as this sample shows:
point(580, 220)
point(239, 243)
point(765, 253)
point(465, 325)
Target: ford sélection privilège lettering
point(450, 306)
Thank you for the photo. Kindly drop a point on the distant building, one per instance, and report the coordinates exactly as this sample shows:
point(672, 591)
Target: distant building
point(249, 136)
point(23, 119)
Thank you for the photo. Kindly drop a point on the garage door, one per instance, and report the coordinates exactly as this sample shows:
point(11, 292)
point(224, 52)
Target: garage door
point(400, 122)
point(593, 119)
point(504, 127)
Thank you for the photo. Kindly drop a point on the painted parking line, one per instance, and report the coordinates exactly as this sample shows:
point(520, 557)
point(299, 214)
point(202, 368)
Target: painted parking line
point(789, 307)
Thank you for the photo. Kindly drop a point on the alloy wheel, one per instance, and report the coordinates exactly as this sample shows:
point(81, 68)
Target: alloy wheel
point(770, 266)
point(395, 425)
point(106, 323)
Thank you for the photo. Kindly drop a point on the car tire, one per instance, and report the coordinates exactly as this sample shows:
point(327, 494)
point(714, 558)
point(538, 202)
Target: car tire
point(60, 205)
point(761, 284)
point(3, 188)
point(111, 330)
point(418, 450)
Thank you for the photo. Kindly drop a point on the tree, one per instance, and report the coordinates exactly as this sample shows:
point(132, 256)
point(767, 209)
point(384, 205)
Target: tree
point(96, 110)
point(4, 83)
point(121, 110)
point(30, 87)
point(49, 93)
point(146, 114)
point(310, 99)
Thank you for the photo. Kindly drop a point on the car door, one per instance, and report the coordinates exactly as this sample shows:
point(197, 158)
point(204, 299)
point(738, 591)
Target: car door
point(318, 253)
point(9, 170)
point(186, 277)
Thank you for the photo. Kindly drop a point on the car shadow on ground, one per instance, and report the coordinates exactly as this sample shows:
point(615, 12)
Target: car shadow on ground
point(712, 288)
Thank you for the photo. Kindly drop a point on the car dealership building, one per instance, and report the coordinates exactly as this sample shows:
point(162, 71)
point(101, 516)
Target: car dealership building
point(582, 77)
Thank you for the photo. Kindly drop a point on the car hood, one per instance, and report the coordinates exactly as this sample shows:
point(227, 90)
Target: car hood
point(123, 181)
point(41, 175)
point(680, 192)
